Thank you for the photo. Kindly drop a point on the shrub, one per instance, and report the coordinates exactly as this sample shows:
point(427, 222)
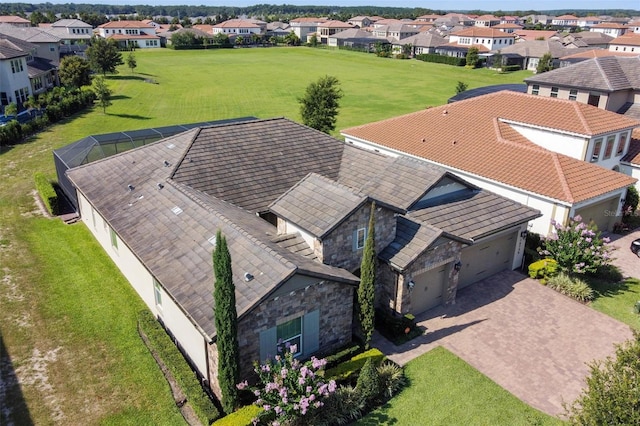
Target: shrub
point(398, 329)
point(511, 68)
point(343, 354)
point(47, 193)
point(391, 378)
point(347, 369)
point(543, 268)
point(10, 133)
point(442, 59)
point(578, 248)
point(572, 287)
point(242, 417)
point(369, 382)
point(161, 343)
point(612, 395)
point(289, 389)
point(341, 408)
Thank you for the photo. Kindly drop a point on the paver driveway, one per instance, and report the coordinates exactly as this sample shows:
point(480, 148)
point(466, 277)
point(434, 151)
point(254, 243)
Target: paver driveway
point(529, 339)
point(624, 259)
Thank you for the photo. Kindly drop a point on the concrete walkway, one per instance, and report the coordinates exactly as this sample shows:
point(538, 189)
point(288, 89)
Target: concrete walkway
point(529, 339)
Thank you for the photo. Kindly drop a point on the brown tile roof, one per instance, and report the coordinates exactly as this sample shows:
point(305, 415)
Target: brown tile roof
point(629, 39)
point(125, 24)
point(616, 25)
point(334, 24)
point(633, 154)
point(317, 204)
point(482, 32)
point(534, 34)
point(14, 19)
point(598, 53)
point(607, 74)
point(237, 23)
point(491, 214)
point(174, 245)
point(470, 136)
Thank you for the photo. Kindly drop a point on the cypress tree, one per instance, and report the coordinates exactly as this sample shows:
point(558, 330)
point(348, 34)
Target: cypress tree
point(366, 289)
point(226, 319)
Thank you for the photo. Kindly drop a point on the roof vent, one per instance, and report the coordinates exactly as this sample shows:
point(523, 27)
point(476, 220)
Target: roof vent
point(212, 241)
point(166, 163)
point(454, 142)
point(445, 112)
point(176, 210)
point(131, 187)
point(160, 185)
point(248, 277)
point(424, 140)
point(171, 146)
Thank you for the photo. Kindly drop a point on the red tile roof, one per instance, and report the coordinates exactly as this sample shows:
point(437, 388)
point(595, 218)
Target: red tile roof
point(481, 32)
point(472, 136)
point(125, 24)
point(629, 39)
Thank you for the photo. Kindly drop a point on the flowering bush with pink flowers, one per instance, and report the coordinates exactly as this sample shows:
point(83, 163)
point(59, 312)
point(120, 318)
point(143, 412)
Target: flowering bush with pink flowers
point(577, 247)
point(289, 389)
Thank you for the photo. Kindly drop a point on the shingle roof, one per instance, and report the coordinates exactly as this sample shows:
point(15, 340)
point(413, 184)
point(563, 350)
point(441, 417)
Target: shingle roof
point(317, 204)
point(537, 48)
point(412, 239)
point(607, 74)
point(470, 135)
point(70, 23)
point(175, 248)
point(31, 34)
point(424, 40)
point(11, 48)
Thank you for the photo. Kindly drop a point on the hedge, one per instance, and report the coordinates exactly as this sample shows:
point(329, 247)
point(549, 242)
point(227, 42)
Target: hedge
point(241, 417)
point(343, 355)
point(348, 369)
point(161, 343)
point(543, 268)
point(442, 59)
point(47, 193)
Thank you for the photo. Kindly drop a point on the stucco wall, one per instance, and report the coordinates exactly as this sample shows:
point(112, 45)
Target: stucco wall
point(573, 146)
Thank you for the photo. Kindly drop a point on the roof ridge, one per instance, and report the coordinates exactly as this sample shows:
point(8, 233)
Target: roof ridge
point(561, 177)
point(578, 106)
point(602, 72)
point(194, 195)
point(502, 139)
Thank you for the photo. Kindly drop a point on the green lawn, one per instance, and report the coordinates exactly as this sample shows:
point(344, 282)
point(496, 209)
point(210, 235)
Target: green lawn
point(445, 390)
point(67, 317)
point(617, 300)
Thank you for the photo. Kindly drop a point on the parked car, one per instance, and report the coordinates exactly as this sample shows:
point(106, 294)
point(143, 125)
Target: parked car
point(635, 247)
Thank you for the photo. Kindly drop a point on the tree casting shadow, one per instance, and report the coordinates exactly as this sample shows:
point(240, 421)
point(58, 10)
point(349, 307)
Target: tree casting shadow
point(133, 116)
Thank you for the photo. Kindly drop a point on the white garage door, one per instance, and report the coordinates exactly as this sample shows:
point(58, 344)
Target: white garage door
point(427, 292)
point(484, 259)
point(602, 214)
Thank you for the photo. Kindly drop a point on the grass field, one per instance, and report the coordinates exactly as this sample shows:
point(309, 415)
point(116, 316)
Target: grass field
point(445, 390)
point(67, 317)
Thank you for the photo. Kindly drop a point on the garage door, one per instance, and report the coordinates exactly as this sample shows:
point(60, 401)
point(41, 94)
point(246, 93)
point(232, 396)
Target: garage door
point(600, 213)
point(427, 292)
point(484, 259)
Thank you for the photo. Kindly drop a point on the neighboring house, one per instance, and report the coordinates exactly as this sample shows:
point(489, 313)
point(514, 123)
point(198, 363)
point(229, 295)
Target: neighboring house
point(47, 46)
point(486, 21)
point(16, 21)
point(505, 142)
point(165, 37)
point(527, 54)
point(428, 18)
point(629, 42)
point(586, 39)
point(565, 21)
point(295, 214)
point(485, 39)
point(584, 55)
point(278, 29)
point(588, 21)
point(355, 38)
point(302, 27)
point(240, 27)
point(70, 31)
point(24, 72)
point(612, 29)
point(422, 43)
point(527, 35)
point(135, 34)
point(607, 82)
point(395, 32)
point(508, 28)
point(634, 26)
point(360, 21)
point(331, 27)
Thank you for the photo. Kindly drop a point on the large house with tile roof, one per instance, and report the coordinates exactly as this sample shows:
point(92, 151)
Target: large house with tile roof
point(485, 39)
point(130, 34)
point(630, 42)
point(70, 31)
point(531, 149)
point(294, 205)
point(16, 21)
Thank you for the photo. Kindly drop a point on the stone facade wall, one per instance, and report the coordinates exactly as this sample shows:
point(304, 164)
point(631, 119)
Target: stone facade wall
point(335, 302)
point(336, 249)
point(400, 302)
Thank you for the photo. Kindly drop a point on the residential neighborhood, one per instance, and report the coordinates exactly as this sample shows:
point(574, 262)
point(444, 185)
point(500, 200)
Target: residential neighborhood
point(459, 211)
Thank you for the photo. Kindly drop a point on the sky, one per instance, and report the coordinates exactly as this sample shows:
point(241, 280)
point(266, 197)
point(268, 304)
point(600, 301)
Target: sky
point(490, 5)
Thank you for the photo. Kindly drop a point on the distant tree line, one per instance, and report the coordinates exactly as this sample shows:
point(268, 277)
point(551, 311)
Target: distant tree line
point(95, 14)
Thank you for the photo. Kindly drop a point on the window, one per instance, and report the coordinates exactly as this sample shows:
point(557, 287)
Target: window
point(4, 100)
point(573, 94)
point(157, 293)
point(535, 89)
point(621, 144)
point(22, 95)
point(609, 148)
point(359, 238)
point(37, 83)
point(596, 150)
point(554, 92)
point(594, 99)
point(16, 66)
point(114, 238)
point(289, 334)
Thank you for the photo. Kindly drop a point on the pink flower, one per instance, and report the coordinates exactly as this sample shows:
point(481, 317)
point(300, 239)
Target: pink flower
point(242, 385)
